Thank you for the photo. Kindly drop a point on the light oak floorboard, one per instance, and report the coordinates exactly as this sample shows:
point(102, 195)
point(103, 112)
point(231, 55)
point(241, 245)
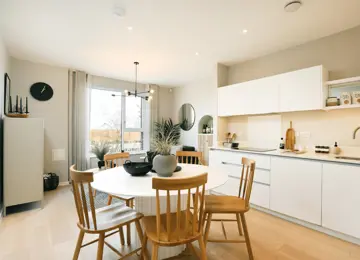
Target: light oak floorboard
point(51, 233)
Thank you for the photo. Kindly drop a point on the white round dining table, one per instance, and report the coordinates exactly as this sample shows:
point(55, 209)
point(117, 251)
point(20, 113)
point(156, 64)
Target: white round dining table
point(116, 181)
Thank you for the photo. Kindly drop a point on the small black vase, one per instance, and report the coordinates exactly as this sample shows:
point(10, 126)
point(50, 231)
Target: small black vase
point(101, 164)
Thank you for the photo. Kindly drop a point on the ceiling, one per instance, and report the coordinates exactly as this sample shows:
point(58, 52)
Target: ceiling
point(86, 35)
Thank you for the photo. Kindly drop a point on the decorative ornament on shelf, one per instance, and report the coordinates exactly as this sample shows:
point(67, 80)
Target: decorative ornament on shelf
point(18, 110)
point(146, 95)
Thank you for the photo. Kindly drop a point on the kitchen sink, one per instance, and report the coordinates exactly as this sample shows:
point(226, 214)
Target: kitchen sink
point(348, 158)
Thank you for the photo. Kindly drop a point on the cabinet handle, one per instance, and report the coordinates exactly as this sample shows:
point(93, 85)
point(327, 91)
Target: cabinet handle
point(235, 164)
point(240, 165)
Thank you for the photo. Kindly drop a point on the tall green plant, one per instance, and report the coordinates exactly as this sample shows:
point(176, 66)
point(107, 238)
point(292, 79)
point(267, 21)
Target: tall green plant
point(167, 134)
point(100, 149)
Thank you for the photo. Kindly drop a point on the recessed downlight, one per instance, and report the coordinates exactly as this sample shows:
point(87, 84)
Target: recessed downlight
point(130, 28)
point(244, 31)
point(197, 54)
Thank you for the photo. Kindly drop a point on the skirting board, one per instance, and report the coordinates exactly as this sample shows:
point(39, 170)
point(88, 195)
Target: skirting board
point(309, 225)
point(64, 183)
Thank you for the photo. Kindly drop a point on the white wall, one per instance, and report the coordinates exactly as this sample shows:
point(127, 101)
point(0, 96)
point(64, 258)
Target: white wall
point(54, 111)
point(203, 96)
point(4, 68)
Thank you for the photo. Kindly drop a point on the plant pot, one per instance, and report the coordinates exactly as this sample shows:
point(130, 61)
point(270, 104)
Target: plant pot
point(164, 165)
point(101, 164)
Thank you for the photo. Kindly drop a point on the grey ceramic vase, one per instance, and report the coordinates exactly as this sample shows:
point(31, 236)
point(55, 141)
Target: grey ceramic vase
point(164, 165)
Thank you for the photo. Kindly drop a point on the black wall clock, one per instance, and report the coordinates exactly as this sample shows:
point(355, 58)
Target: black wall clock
point(41, 91)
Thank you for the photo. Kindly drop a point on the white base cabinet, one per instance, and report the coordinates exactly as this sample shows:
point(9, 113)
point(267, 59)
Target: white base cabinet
point(231, 163)
point(341, 198)
point(296, 188)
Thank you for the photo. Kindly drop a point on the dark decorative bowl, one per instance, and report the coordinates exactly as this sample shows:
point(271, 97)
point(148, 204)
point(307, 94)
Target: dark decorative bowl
point(137, 168)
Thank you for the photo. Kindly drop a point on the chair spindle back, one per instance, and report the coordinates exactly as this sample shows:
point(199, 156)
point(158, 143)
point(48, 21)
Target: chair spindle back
point(189, 157)
point(78, 180)
point(115, 159)
point(174, 187)
point(246, 179)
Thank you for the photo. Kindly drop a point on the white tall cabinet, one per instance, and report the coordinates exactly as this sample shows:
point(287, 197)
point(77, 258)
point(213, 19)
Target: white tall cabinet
point(23, 160)
point(205, 141)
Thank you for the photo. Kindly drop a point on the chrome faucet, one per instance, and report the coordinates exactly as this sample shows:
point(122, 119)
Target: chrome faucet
point(355, 131)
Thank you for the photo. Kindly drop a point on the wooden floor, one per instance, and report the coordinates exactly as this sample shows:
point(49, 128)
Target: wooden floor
point(51, 233)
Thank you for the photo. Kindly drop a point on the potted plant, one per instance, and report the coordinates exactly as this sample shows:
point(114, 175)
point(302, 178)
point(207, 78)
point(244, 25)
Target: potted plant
point(167, 134)
point(100, 149)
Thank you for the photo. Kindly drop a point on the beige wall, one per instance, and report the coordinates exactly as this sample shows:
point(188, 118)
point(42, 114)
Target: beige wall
point(202, 95)
point(166, 102)
point(54, 112)
point(340, 55)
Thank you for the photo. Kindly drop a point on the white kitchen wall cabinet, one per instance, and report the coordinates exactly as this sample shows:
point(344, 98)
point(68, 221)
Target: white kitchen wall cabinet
point(263, 96)
point(303, 89)
point(293, 91)
point(233, 100)
point(341, 198)
point(23, 160)
point(253, 97)
point(296, 188)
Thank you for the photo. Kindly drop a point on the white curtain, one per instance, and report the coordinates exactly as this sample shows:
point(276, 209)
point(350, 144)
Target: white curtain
point(79, 119)
point(154, 111)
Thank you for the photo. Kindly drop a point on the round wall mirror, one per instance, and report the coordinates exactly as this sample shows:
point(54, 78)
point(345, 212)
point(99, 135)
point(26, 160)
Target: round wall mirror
point(187, 117)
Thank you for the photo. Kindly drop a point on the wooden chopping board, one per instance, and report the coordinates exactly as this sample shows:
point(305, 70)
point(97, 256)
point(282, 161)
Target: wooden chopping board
point(290, 138)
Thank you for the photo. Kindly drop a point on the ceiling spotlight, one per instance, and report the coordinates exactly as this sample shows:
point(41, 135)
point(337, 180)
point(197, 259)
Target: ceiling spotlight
point(130, 28)
point(152, 91)
point(197, 54)
point(293, 6)
point(150, 97)
point(245, 31)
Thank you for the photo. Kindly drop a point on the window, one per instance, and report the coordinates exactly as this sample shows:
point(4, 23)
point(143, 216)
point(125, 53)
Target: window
point(116, 120)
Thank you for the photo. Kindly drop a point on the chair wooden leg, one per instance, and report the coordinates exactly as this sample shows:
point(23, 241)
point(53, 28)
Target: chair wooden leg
point(109, 200)
point(78, 245)
point(154, 255)
point(207, 229)
point(247, 238)
point(94, 194)
point(202, 248)
point(128, 231)
point(100, 246)
point(121, 233)
point(141, 236)
point(239, 224)
point(203, 222)
point(144, 252)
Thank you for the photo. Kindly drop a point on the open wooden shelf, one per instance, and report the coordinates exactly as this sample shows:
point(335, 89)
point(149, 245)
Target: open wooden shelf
point(341, 107)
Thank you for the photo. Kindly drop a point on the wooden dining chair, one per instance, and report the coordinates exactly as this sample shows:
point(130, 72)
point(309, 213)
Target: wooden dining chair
point(189, 157)
point(100, 221)
point(183, 226)
point(117, 160)
point(237, 205)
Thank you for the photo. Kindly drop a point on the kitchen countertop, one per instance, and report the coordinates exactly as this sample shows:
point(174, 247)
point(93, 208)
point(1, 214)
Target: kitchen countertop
point(310, 155)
